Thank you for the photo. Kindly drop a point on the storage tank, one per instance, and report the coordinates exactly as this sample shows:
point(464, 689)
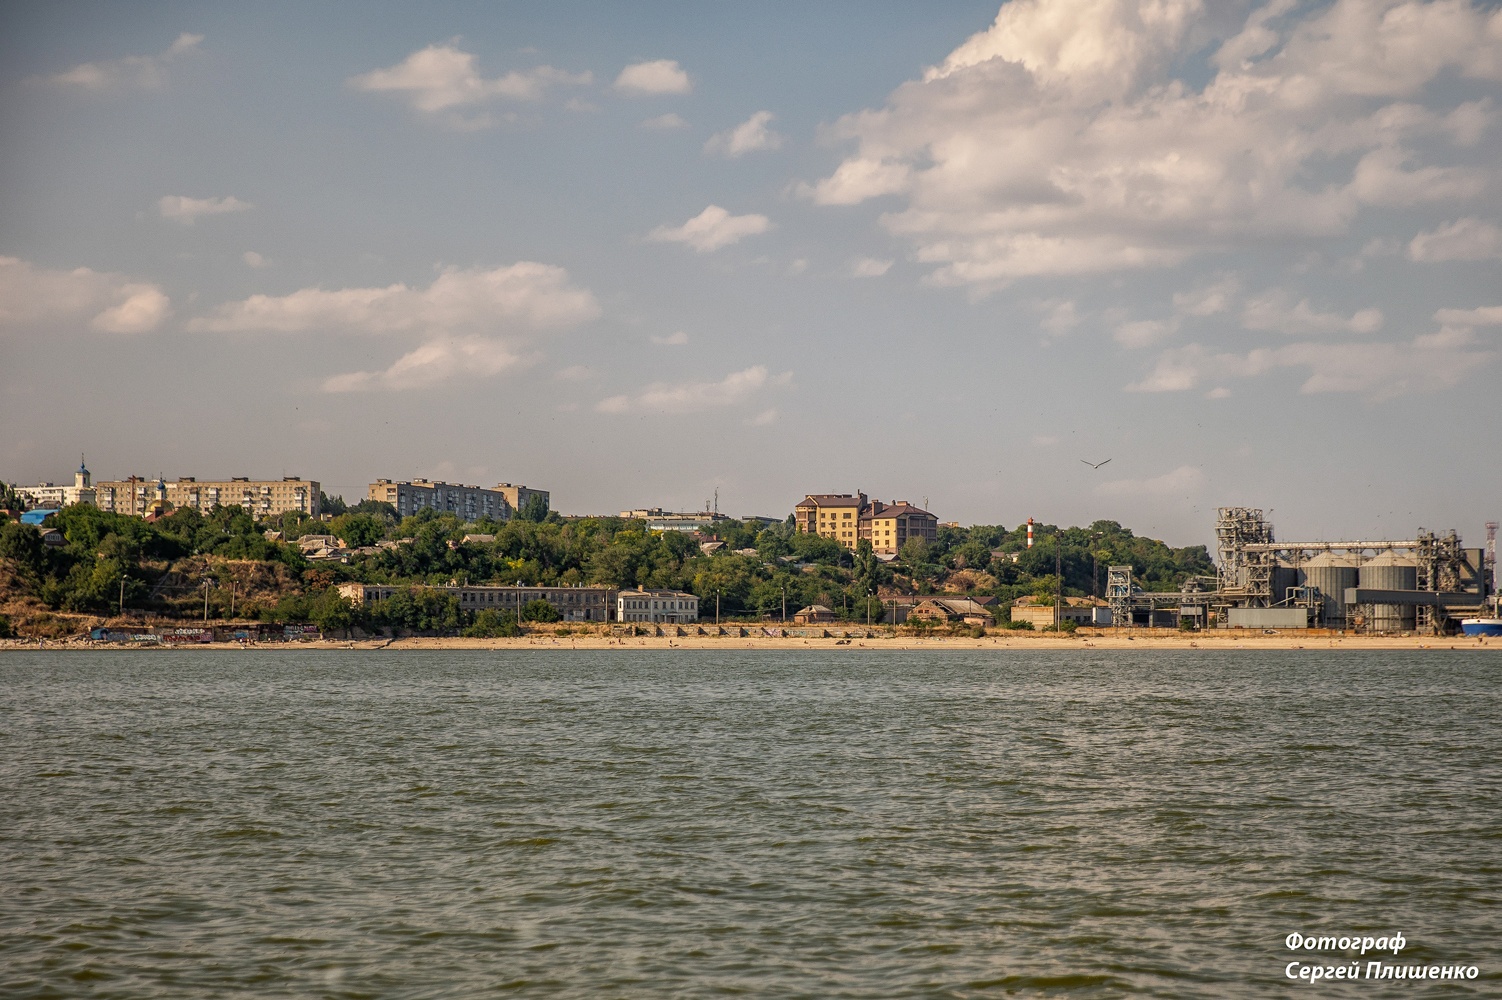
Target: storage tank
point(1284, 575)
point(1331, 575)
point(1390, 571)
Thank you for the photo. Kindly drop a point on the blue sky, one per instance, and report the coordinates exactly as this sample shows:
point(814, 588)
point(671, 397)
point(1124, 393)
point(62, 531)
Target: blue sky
point(1251, 253)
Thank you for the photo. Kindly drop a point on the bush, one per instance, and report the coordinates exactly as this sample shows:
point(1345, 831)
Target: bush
point(6, 631)
point(1018, 626)
point(539, 611)
point(493, 624)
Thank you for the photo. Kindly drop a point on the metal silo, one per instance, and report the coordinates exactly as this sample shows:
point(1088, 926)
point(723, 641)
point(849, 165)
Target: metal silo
point(1390, 571)
point(1284, 575)
point(1331, 575)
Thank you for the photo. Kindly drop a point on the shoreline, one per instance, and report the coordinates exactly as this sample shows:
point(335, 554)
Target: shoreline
point(1012, 641)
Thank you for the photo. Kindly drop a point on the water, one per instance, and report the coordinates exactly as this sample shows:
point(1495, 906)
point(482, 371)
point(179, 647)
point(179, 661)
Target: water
point(703, 824)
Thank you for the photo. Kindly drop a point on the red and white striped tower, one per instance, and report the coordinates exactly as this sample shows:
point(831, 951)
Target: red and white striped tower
point(1029, 532)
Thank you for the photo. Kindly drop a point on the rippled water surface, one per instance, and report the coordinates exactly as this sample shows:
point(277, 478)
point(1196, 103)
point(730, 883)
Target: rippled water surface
point(699, 824)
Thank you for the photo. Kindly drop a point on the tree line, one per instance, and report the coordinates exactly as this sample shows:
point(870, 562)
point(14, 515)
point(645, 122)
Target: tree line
point(759, 569)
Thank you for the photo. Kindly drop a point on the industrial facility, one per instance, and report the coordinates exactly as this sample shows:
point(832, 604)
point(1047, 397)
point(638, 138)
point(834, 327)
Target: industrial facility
point(1425, 584)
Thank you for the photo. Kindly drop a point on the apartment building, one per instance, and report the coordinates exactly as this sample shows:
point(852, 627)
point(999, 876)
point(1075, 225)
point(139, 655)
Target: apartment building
point(137, 496)
point(832, 515)
point(888, 527)
point(519, 496)
point(656, 606)
point(849, 517)
point(468, 502)
point(574, 604)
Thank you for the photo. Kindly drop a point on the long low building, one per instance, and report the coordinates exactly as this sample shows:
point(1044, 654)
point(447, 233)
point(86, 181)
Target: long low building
point(656, 606)
point(574, 604)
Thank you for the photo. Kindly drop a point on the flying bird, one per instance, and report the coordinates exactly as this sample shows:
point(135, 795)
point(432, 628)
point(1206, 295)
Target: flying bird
point(1093, 465)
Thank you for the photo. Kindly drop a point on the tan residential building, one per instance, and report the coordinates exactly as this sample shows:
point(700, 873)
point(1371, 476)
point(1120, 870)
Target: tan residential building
point(519, 496)
point(890, 526)
point(261, 497)
point(472, 503)
point(575, 604)
point(849, 517)
point(832, 515)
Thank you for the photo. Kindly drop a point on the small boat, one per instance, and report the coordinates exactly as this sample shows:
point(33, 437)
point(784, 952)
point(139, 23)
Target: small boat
point(1481, 626)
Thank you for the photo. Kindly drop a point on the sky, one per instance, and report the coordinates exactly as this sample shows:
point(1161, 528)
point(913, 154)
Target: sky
point(1246, 254)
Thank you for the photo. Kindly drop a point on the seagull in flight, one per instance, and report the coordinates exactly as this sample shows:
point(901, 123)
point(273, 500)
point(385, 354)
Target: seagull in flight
point(1093, 465)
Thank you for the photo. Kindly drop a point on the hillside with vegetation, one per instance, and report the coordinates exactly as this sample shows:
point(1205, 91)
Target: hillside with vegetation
point(224, 565)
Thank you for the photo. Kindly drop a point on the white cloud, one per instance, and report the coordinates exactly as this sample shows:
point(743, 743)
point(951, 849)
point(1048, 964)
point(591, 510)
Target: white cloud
point(1144, 332)
point(659, 76)
point(1484, 316)
point(1463, 239)
point(443, 78)
point(747, 137)
point(1059, 142)
point(1059, 317)
point(857, 180)
point(765, 418)
point(1207, 300)
point(575, 373)
point(180, 208)
point(665, 123)
point(438, 360)
point(144, 72)
point(523, 296)
point(712, 229)
point(143, 309)
point(1219, 392)
point(1271, 311)
point(694, 397)
point(33, 298)
point(253, 259)
point(870, 267)
point(671, 340)
point(1184, 481)
point(1426, 363)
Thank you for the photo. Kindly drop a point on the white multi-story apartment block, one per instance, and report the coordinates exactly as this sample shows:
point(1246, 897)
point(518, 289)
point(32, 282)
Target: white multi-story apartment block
point(656, 606)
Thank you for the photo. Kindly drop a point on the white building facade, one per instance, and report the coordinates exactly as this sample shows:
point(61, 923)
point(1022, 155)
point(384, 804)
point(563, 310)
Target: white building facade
point(52, 497)
point(673, 606)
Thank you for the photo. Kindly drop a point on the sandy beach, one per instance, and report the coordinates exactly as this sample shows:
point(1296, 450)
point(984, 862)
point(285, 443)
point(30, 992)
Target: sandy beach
point(1082, 640)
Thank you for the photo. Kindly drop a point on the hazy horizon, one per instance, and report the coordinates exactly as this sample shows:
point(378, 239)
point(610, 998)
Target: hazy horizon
point(1250, 253)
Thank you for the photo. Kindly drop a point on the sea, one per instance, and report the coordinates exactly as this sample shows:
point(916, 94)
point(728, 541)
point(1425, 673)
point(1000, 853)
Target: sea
point(698, 823)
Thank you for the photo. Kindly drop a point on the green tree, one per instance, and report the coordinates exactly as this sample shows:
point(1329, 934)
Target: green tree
point(539, 611)
point(23, 544)
point(332, 611)
point(358, 530)
point(490, 624)
point(535, 509)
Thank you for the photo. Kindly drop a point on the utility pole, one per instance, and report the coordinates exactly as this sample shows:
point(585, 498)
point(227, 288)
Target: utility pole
point(122, 595)
point(784, 604)
point(1058, 585)
point(205, 600)
point(717, 608)
point(232, 585)
point(868, 609)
